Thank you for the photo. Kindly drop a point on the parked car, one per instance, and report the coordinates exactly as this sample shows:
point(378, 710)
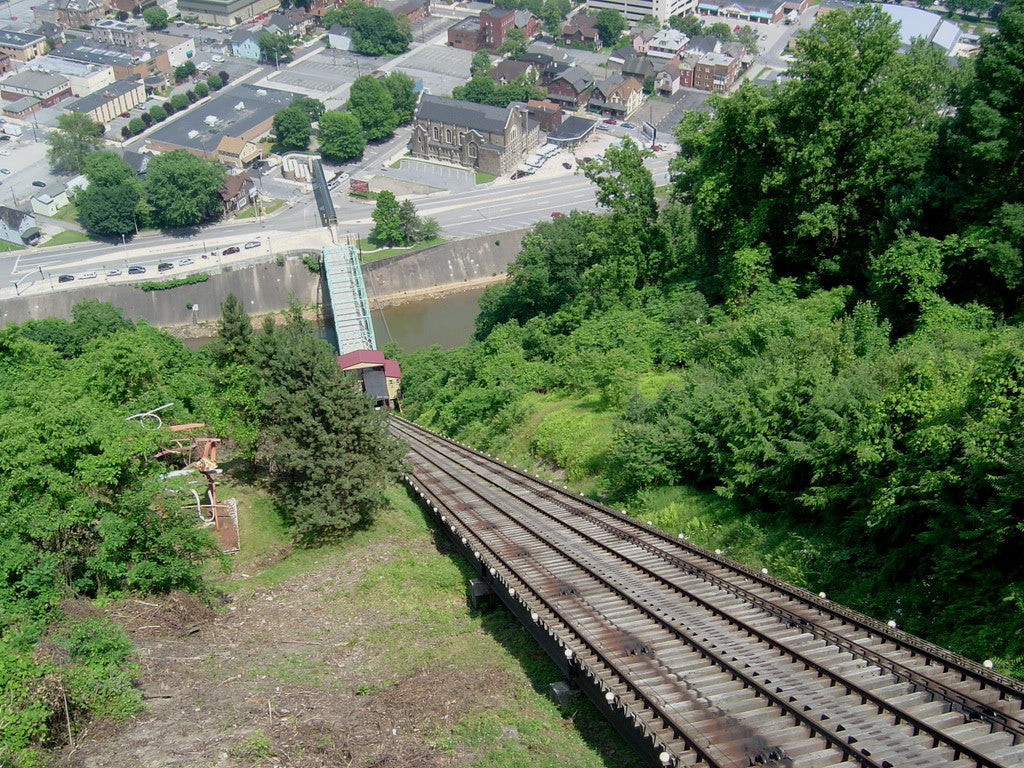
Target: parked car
point(5, 137)
point(38, 183)
point(113, 272)
point(87, 276)
point(628, 126)
point(556, 214)
point(602, 127)
point(136, 270)
point(204, 66)
point(5, 171)
point(217, 58)
point(519, 175)
point(567, 166)
point(163, 266)
point(229, 251)
point(65, 278)
point(611, 121)
point(185, 262)
point(5, 152)
point(253, 244)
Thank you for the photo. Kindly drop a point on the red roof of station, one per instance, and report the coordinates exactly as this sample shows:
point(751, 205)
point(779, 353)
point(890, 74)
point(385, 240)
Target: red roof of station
point(392, 369)
point(360, 358)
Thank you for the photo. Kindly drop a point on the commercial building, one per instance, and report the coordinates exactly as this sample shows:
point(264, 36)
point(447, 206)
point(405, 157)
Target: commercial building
point(124, 61)
point(378, 376)
point(489, 139)
point(22, 46)
point(754, 11)
point(46, 88)
point(915, 23)
point(70, 13)
point(127, 33)
point(177, 48)
point(225, 12)
point(83, 78)
point(715, 72)
point(635, 10)
point(490, 28)
point(213, 130)
point(546, 113)
point(117, 98)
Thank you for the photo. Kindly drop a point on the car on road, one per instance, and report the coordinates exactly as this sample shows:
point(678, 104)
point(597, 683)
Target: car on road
point(610, 121)
point(87, 276)
point(113, 272)
point(5, 171)
point(163, 266)
point(253, 244)
point(5, 137)
point(5, 152)
point(567, 166)
point(602, 127)
point(229, 251)
point(556, 214)
point(185, 262)
point(217, 58)
point(628, 126)
point(65, 278)
point(38, 183)
point(136, 270)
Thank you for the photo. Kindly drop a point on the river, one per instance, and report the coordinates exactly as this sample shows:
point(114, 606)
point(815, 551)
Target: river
point(447, 321)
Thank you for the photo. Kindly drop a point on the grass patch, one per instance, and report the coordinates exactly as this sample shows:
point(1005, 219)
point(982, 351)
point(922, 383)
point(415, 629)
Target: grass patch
point(484, 178)
point(376, 255)
point(200, 277)
point(5, 247)
point(250, 212)
point(68, 213)
point(66, 237)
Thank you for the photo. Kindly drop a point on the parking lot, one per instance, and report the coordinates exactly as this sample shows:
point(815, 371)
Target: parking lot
point(25, 162)
point(439, 67)
point(327, 75)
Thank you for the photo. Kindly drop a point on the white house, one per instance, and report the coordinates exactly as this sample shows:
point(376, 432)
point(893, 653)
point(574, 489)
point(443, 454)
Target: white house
point(339, 38)
point(666, 43)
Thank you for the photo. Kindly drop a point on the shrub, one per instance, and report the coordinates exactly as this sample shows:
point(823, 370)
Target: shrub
point(146, 118)
point(191, 96)
point(126, 132)
point(201, 89)
point(312, 262)
point(223, 77)
point(169, 108)
point(136, 126)
point(214, 82)
point(158, 113)
point(164, 285)
point(179, 101)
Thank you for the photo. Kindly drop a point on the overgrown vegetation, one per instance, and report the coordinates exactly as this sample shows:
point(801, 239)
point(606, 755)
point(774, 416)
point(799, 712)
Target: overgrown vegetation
point(164, 285)
point(84, 513)
point(803, 330)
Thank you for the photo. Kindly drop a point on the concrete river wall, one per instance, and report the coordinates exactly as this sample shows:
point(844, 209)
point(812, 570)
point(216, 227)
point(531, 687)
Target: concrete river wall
point(269, 287)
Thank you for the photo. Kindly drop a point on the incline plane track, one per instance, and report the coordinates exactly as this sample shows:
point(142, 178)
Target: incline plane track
point(697, 659)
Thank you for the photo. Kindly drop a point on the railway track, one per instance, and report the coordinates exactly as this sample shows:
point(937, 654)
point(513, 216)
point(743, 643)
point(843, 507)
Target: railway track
point(697, 659)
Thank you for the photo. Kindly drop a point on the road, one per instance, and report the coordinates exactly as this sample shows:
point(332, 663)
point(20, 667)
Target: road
point(492, 208)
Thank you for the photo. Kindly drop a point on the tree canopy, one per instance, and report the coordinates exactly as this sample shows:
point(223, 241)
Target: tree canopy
point(155, 17)
point(292, 128)
point(610, 25)
point(340, 136)
point(114, 202)
point(76, 136)
point(371, 102)
point(182, 189)
point(275, 48)
point(375, 32)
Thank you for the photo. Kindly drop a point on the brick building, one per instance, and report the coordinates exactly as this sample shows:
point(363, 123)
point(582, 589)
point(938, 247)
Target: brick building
point(489, 139)
point(715, 72)
point(571, 88)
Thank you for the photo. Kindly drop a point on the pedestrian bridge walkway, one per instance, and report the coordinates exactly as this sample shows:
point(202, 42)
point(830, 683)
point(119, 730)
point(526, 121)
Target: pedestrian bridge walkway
point(347, 294)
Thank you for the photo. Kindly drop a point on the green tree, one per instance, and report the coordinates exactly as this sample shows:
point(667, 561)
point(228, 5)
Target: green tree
point(371, 102)
point(375, 32)
point(514, 44)
point(158, 113)
point(275, 48)
point(904, 278)
point(415, 229)
point(387, 221)
point(76, 136)
point(553, 14)
point(748, 37)
point(184, 71)
point(136, 126)
point(215, 82)
point(345, 15)
point(106, 168)
point(312, 107)
point(233, 343)
point(340, 136)
point(610, 25)
point(155, 17)
point(481, 63)
point(326, 451)
point(179, 101)
point(182, 189)
point(292, 128)
point(721, 30)
point(113, 203)
point(689, 25)
point(403, 95)
point(201, 90)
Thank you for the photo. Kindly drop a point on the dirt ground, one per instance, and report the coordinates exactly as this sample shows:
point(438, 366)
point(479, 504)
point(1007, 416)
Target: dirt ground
point(282, 675)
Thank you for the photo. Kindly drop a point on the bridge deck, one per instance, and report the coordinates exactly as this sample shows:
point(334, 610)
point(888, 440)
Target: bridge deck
point(348, 299)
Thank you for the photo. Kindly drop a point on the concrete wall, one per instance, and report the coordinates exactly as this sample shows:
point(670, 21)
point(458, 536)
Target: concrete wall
point(269, 287)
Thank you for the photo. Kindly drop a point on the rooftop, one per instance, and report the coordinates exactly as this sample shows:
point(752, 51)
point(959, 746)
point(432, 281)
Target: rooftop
point(97, 52)
point(572, 129)
point(480, 117)
point(53, 64)
point(18, 39)
point(236, 111)
point(34, 80)
point(106, 94)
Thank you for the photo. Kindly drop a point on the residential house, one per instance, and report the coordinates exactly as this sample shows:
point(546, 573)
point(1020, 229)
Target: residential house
point(339, 38)
point(618, 57)
point(46, 88)
point(51, 32)
point(704, 44)
point(378, 377)
point(571, 89)
point(126, 33)
point(509, 69)
point(527, 23)
point(137, 161)
point(50, 199)
point(581, 28)
point(132, 7)
point(238, 192)
point(179, 48)
point(489, 139)
point(667, 43)
point(70, 13)
point(279, 24)
point(411, 10)
point(715, 72)
point(640, 37)
point(5, 64)
point(539, 60)
point(22, 46)
point(245, 44)
point(546, 113)
point(303, 22)
point(18, 227)
point(616, 96)
point(667, 80)
point(639, 67)
point(686, 64)
point(554, 70)
point(237, 151)
point(112, 100)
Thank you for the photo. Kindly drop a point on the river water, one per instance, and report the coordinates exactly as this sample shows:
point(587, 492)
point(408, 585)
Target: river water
point(447, 320)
